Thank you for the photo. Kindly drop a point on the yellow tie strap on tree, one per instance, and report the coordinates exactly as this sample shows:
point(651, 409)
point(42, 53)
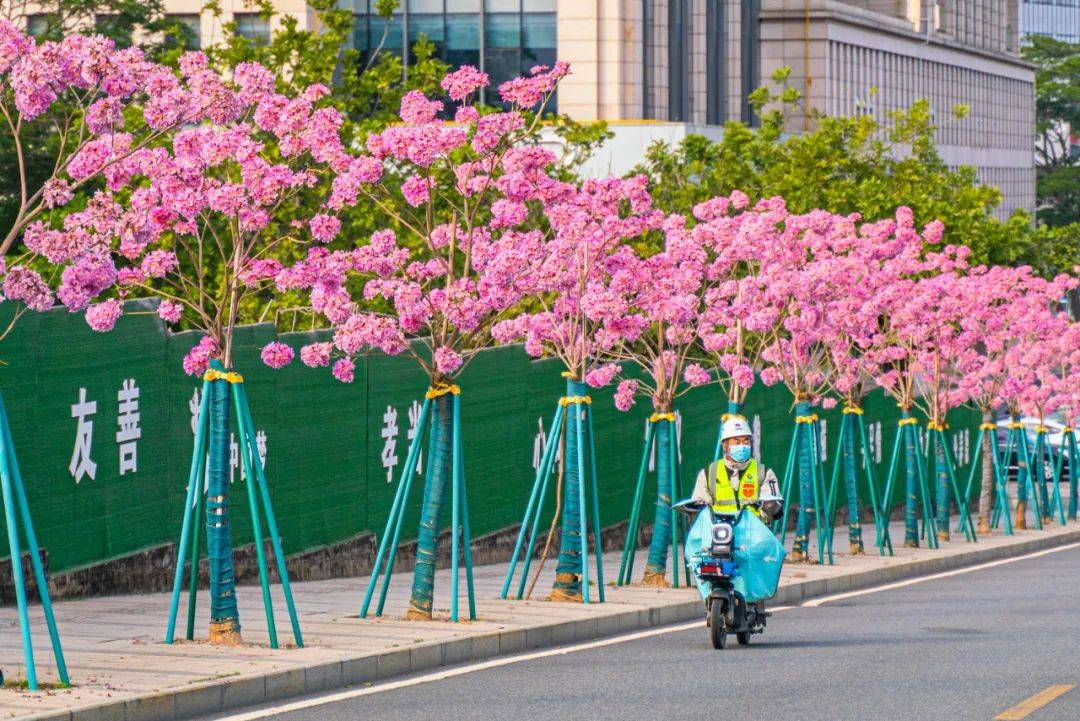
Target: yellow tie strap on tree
point(812, 418)
point(228, 376)
point(988, 427)
point(908, 422)
point(1067, 429)
point(437, 391)
point(569, 374)
point(1015, 426)
point(852, 409)
point(1042, 429)
point(661, 417)
point(935, 426)
point(568, 400)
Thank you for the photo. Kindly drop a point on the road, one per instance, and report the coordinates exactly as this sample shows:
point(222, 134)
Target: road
point(970, 646)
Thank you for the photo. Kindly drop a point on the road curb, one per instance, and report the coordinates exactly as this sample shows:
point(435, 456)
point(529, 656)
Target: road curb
point(239, 692)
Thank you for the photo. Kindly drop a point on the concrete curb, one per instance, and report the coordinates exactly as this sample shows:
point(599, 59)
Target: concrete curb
point(238, 692)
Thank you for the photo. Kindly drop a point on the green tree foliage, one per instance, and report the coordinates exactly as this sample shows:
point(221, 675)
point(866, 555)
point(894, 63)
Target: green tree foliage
point(853, 164)
point(1057, 113)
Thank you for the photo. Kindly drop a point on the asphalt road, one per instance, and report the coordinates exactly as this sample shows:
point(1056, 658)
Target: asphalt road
point(965, 647)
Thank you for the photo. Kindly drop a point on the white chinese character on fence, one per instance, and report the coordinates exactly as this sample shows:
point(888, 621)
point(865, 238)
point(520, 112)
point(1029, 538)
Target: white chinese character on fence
point(193, 406)
point(127, 422)
point(234, 459)
point(823, 438)
point(414, 420)
point(260, 447)
point(540, 442)
point(389, 434)
point(81, 464)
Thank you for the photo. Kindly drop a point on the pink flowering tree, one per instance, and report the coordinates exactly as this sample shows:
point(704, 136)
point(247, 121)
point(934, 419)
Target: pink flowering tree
point(737, 321)
point(245, 158)
point(1034, 362)
point(1068, 364)
point(991, 297)
point(650, 338)
point(570, 296)
point(434, 287)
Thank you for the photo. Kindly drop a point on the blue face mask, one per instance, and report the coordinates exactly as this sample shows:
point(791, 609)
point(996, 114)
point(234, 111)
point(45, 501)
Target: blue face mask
point(740, 453)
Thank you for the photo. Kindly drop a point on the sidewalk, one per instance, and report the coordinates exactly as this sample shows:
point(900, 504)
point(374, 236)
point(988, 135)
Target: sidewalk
point(123, 672)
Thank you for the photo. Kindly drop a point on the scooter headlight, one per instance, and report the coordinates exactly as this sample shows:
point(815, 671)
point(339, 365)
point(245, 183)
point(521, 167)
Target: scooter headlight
point(722, 536)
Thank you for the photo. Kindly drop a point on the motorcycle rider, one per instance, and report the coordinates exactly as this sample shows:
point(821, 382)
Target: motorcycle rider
point(737, 479)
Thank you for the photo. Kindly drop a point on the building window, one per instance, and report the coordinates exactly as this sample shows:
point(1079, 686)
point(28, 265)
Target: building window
point(679, 60)
point(186, 31)
point(504, 38)
point(253, 26)
point(716, 64)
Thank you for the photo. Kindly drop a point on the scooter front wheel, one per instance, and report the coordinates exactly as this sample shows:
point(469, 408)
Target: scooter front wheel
point(717, 627)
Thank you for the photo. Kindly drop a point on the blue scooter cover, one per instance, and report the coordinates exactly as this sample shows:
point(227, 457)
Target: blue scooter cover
point(759, 556)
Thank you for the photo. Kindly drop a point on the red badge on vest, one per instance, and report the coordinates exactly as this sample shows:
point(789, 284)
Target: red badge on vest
point(746, 490)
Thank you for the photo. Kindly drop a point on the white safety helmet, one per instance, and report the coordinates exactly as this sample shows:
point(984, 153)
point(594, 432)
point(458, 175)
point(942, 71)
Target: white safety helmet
point(735, 427)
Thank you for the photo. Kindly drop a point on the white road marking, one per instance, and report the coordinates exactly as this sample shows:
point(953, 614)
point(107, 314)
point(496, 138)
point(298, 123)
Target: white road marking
point(462, 670)
point(813, 603)
point(563, 650)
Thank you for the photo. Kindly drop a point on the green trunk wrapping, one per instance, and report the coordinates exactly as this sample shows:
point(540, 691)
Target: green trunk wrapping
point(1021, 462)
point(436, 480)
point(661, 537)
point(1038, 475)
point(805, 457)
point(911, 485)
point(941, 471)
point(851, 480)
point(218, 529)
point(570, 536)
point(1074, 472)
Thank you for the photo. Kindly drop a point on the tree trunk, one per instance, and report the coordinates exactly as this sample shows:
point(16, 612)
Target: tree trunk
point(1038, 477)
point(986, 490)
point(1021, 477)
point(941, 471)
point(656, 566)
point(568, 571)
point(805, 459)
point(911, 484)
point(851, 481)
point(436, 480)
point(224, 616)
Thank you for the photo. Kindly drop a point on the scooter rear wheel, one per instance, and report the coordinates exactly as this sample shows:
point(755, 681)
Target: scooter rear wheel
point(717, 627)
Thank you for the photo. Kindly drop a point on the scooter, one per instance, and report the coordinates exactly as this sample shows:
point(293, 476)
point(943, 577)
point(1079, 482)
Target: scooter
point(711, 553)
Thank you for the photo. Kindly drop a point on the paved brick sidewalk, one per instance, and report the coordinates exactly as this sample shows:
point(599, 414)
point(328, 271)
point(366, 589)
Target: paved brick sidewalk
point(123, 672)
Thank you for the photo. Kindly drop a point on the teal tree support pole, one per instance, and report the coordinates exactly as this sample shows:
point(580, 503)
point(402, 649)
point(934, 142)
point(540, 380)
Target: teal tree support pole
point(941, 473)
point(557, 431)
point(963, 502)
point(594, 486)
point(785, 485)
point(536, 499)
point(929, 523)
point(466, 536)
point(830, 497)
point(579, 429)
point(573, 537)
point(626, 563)
point(7, 453)
point(1026, 469)
point(393, 521)
point(808, 505)
point(673, 462)
point(195, 482)
point(438, 476)
point(911, 498)
point(656, 566)
point(881, 523)
point(224, 616)
point(1074, 472)
point(1038, 473)
point(256, 521)
point(1002, 508)
point(851, 484)
point(193, 576)
point(6, 479)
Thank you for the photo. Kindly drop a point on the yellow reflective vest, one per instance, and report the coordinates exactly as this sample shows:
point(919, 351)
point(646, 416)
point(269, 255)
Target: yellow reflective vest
point(725, 499)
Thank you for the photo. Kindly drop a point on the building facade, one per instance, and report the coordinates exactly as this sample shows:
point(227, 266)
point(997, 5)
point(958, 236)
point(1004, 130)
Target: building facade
point(1058, 19)
point(661, 69)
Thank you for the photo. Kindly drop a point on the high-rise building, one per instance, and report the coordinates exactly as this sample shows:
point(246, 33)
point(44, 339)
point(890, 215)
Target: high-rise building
point(1058, 19)
point(666, 68)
